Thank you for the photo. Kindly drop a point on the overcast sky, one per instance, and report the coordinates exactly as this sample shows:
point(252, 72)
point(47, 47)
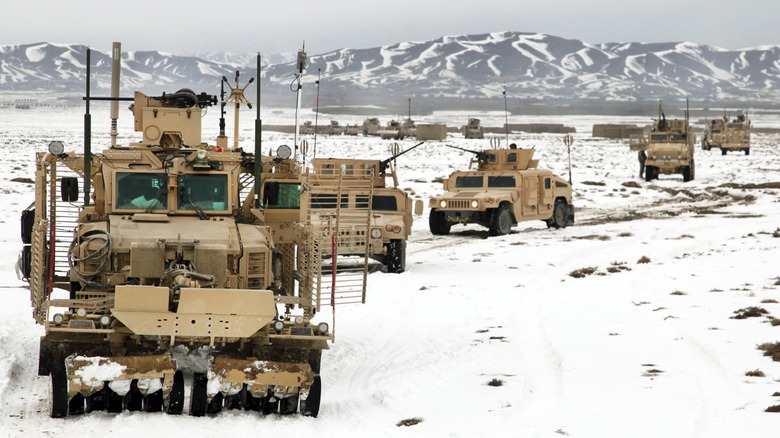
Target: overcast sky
point(191, 26)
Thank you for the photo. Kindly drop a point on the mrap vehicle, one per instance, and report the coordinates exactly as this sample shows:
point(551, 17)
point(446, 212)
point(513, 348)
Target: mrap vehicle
point(168, 274)
point(727, 135)
point(505, 189)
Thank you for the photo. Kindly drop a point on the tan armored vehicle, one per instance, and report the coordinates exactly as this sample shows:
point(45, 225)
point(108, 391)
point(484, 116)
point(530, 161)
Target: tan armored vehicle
point(505, 189)
point(351, 130)
point(473, 129)
point(170, 271)
point(335, 128)
point(728, 136)
point(371, 126)
point(393, 131)
point(307, 128)
point(668, 148)
point(363, 187)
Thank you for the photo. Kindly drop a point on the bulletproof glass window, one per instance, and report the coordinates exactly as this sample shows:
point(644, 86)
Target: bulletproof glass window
point(659, 137)
point(384, 203)
point(141, 191)
point(678, 137)
point(501, 181)
point(547, 183)
point(511, 157)
point(204, 192)
point(361, 202)
point(289, 197)
point(466, 182)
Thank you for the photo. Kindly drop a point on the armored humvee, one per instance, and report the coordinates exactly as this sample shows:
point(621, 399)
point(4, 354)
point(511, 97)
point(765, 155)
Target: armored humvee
point(307, 128)
point(668, 148)
point(171, 271)
point(506, 188)
point(728, 136)
point(393, 130)
point(335, 128)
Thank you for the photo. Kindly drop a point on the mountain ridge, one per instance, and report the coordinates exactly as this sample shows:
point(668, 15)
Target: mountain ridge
point(460, 69)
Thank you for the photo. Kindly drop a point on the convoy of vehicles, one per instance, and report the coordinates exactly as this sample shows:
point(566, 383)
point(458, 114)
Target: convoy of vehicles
point(668, 148)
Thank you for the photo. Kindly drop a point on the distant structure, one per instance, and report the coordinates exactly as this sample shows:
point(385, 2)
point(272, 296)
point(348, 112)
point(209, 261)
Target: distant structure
point(473, 129)
point(616, 130)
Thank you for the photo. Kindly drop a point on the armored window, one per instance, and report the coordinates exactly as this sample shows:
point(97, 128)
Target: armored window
point(547, 183)
point(141, 191)
point(678, 137)
point(203, 192)
point(327, 201)
point(659, 137)
point(511, 158)
point(384, 203)
point(501, 181)
point(361, 202)
point(466, 182)
point(289, 196)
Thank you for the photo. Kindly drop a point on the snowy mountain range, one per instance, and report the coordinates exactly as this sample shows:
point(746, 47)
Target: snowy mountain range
point(465, 69)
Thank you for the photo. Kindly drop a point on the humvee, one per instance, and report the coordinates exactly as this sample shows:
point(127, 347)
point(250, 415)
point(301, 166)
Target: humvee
point(335, 128)
point(307, 128)
point(728, 136)
point(171, 270)
point(391, 131)
point(505, 189)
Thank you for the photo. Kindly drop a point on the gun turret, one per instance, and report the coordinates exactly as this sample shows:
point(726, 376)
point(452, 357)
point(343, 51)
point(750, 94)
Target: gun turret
point(479, 154)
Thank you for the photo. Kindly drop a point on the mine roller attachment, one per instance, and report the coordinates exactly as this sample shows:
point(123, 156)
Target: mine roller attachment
point(83, 384)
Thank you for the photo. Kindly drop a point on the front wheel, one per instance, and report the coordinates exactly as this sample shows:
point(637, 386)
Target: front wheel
point(438, 224)
point(747, 151)
point(500, 221)
point(395, 260)
point(560, 214)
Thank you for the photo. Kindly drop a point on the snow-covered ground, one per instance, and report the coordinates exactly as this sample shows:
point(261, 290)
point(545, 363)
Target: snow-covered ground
point(496, 336)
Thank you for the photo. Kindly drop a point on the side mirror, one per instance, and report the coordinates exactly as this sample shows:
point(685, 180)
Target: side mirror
point(271, 193)
point(418, 207)
point(69, 189)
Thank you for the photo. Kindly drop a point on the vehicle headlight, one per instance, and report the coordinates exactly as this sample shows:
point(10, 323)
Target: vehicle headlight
point(81, 312)
point(201, 154)
point(679, 157)
point(443, 204)
point(105, 320)
point(322, 328)
point(376, 233)
point(299, 319)
point(474, 204)
point(278, 326)
point(58, 318)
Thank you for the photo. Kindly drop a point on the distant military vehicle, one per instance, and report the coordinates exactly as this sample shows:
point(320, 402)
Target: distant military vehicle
point(335, 128)
point(171, 269)
point(473, 129)
point(307, 128)
point(393, 130)
point(408, 128)
point(351, 130)
point(669, 148)
point(371, 126)
point(728, 136)
point(363, 186)
point(506, 188)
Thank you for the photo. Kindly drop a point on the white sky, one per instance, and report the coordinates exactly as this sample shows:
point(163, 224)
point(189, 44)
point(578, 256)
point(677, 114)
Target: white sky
point(185, 27)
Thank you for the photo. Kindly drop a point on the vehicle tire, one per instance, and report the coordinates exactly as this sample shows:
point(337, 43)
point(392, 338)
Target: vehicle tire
point(198, 397)
point(438, 223)
point(58, 407)
point(693, 170)
point(723, 151)
point(176, 397)
point(311, 406)
point(500, 221)
point(649, 173)
point(686, 173)
point(560, 217)
point(395, 258)
point(747, 151)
